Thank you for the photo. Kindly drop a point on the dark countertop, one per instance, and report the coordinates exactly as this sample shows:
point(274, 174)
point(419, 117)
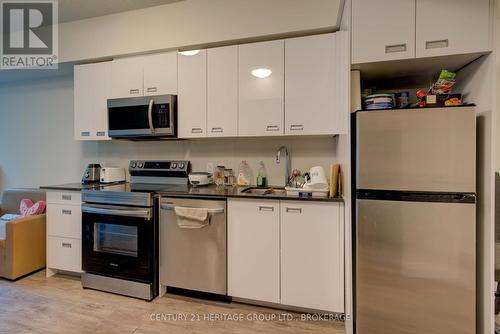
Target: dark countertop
point(78, 186)
point(230, 192)
point(211, 191)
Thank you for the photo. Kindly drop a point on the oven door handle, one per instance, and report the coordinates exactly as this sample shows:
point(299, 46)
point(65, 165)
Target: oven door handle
point(142, 213)
point(171, 207)
point(150, 116)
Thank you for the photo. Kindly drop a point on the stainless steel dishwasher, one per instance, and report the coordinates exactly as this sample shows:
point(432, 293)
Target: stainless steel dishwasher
point(193, 258)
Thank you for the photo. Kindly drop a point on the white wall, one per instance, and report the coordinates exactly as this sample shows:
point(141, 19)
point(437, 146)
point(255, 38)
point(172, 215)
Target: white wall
point(190, 23)
point(36, 134)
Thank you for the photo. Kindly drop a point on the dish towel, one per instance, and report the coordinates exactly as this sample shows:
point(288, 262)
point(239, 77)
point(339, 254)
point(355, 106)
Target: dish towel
point(191, 217)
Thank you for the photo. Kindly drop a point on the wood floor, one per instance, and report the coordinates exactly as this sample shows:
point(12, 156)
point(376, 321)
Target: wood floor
point(58, 304)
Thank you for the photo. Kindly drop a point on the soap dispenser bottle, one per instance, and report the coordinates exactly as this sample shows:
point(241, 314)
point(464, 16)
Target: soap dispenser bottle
point(261, 175)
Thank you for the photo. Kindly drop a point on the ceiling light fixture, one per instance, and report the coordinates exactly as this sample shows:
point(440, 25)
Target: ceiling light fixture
point(189, 53)
point(261, 72)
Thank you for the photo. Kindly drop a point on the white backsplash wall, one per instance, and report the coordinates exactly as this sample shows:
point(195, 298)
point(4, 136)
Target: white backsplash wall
point(306, 152)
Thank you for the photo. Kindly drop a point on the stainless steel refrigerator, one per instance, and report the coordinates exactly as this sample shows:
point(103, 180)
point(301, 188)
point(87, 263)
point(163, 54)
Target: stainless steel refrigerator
point(415, 221)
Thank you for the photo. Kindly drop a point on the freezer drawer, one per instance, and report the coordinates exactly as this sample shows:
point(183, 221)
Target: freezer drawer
point(415, 267)
point(193, 258)
point(420, 150)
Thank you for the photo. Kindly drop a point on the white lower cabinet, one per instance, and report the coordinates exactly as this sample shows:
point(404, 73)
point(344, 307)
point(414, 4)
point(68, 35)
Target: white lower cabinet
point(253, 250)
point(312, 255)
point(64, 254)
point(64, 232)
point(287, 252)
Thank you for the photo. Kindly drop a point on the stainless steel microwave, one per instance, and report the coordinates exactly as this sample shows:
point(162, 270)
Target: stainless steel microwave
point(143, 117)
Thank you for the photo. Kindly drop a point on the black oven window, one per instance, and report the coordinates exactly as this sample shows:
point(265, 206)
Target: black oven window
point(115, 239)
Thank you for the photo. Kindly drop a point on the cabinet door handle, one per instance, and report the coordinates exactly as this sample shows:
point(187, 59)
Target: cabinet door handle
point(66, 212)
point(296, 127)
point(66, 197)
point(395, 48)
point(272, 128)
point(266, 208)
point(134, 91)
point(100, 133)
point(294, 210)
point(151, 89)
point(85, 134)
point(196, 130)
point(438, 44)
point(217, 130)
point(66, 245)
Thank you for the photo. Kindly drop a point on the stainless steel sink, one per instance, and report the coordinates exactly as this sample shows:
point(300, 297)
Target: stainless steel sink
point(264, 191)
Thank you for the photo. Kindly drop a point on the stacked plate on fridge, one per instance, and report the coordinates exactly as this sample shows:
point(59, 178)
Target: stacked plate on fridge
point(378, 101)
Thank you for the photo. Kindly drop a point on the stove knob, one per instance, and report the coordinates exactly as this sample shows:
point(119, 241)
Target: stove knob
point(174, 165)
point(87, 175)
point(133, 165)
point(181, 165)
point(140, 165)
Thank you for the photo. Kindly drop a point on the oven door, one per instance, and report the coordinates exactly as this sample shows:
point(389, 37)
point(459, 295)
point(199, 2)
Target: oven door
point(148, 116)
point(118, 241)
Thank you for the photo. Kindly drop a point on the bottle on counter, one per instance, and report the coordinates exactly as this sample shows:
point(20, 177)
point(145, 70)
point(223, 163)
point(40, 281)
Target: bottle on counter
point(261, 175)
point(228, 177)
point(219, 175)
point(244, 174)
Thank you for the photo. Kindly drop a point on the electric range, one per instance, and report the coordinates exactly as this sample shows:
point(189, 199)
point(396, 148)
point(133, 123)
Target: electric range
point(120, 225)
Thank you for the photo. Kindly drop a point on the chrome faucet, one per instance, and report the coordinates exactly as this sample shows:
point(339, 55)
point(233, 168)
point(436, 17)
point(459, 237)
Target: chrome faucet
point(287, 163)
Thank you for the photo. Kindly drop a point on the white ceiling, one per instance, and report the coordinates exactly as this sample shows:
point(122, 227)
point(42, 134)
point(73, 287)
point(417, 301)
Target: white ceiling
point(72, 10)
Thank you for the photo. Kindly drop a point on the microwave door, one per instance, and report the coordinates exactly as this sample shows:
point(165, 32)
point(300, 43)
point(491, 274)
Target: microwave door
point(130, 117)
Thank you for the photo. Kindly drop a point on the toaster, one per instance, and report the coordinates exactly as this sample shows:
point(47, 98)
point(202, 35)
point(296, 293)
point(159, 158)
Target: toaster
point(112, 174)
point(92, 173)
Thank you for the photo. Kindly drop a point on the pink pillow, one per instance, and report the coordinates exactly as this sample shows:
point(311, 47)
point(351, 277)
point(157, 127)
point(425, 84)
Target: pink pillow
point(27, 208)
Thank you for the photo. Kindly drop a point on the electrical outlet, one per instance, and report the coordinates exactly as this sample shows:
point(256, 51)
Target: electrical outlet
point(210, 167)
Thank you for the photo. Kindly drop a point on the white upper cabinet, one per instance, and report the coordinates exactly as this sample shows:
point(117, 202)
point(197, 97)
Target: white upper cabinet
point(310, 80)
point(127, 77)
point(419, 28)
point(312, 255)
point(192, 99)
point(261, 89)
point(446, 27)
point(92, 86)
point(145, 75)
point(222, 98)
point(83, 104)
point(160, 74)
point(385, 30)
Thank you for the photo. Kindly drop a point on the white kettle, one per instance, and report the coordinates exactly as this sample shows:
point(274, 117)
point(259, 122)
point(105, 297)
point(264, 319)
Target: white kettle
point(317, 179)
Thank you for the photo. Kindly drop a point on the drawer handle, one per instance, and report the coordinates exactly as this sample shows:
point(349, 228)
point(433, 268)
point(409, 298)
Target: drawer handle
point(395, 48)
point(134, 91)
point(272, 128)
point(294, 210)
point(152, 90)
point(217, 130)
point(85, 134)
point(442, 43)
point(196, 130)
point(100, 133)
point(66, 197)
point(66, 245)
point(296, 127)
point(266, 208)
point(66, 212)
